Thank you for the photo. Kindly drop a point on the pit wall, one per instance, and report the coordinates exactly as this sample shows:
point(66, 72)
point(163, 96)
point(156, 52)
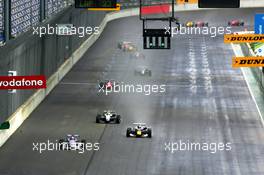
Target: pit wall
point(30, 54)
point(77, 48)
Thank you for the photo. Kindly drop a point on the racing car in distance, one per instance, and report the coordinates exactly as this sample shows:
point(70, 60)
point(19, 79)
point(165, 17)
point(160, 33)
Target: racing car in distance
point(196, 24)
point(143, 71)
point(107, 84)
point(71, 142)
point(236, 22)
point(201, 24)
point(126, 46)
point(139, 55)
point(108, 117)
point(139, 130)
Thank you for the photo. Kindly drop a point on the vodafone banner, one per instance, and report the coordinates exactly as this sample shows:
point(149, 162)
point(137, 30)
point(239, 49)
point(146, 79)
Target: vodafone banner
point(23, 82)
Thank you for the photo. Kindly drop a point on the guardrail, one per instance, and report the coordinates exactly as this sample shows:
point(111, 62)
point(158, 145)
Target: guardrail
point(258, 72)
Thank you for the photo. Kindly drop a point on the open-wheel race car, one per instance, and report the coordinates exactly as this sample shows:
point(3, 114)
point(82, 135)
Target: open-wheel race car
point(126, 46)
point(143, 71)
point(236, 22)
point(71, 142)
point(107, 84)
point(139, 55)
point(108, 117)
point(139, 130)
point(196, 24)
point(201, 24)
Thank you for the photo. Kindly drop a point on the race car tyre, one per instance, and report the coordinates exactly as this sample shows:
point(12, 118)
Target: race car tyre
point(61, 141)
point(118, 119)
point(242, 23)
point(207, 24)
point(128, 132)
point(178, 25)
point(150, 73)
point(83, 143)
point(149, 133)
point(98, 118)
point(229, 23)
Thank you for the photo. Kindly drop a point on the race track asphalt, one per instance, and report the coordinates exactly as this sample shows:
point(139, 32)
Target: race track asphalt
point(206, 101)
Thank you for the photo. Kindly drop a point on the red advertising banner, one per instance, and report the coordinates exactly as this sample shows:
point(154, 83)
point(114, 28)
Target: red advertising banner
point(23, 82)
point(156, 9)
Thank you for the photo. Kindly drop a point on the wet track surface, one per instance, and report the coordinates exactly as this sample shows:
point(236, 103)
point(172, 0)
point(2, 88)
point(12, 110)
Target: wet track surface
point(205, 101)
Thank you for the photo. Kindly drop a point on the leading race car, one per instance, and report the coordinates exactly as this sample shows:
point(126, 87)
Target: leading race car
point(189, 24)
point(143, 71)
point(236, 22)
point(126, 46)
point(108, 117)
point(139, 130)
point(71, 142)
point(196, 24)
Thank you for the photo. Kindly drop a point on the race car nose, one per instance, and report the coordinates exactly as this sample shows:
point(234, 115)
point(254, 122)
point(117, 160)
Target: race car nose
point(108, 84)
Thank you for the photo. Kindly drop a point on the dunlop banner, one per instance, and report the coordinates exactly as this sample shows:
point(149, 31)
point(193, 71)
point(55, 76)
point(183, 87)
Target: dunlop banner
point(247, 62)
point(247, 38)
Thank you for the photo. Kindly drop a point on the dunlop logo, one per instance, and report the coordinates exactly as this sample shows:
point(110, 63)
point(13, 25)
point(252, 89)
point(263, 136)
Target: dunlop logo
point(248, 62)
point(247, 38)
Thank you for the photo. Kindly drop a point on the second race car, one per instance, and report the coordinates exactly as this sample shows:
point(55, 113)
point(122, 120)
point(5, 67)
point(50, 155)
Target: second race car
point(139, 130)
point(108, 117)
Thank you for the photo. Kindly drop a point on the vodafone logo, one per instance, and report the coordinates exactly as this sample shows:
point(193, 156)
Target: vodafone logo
point(23, 82)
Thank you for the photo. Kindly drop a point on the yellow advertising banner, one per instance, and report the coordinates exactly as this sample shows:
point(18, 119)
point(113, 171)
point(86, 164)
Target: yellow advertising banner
point(247, 62)
point(247, 38)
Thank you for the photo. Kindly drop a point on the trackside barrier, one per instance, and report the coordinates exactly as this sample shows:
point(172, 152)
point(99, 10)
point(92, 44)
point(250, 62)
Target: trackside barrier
point(257, 71)
point(24, 111)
